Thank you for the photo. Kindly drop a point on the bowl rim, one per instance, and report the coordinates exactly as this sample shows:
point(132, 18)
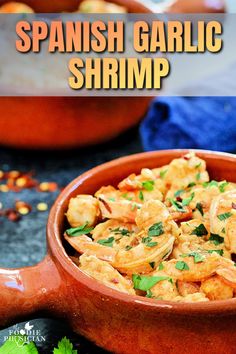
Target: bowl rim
point(57, 251)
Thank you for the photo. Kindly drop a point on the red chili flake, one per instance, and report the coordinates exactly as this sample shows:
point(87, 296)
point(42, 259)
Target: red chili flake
point(2, 175)
point(12, 215)
point(234, 205)
point(106, 205)
point(186, 157)
point(13, 174)
point(115, 281)
point(179, 199)
point(22, 207)
point(48, 187)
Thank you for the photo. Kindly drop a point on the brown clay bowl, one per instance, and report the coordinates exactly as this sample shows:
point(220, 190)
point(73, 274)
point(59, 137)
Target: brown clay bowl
point(115, 321)
point(68, 122)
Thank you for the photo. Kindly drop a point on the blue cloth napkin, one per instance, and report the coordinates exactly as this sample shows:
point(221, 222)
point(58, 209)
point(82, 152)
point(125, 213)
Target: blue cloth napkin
point(193, 122)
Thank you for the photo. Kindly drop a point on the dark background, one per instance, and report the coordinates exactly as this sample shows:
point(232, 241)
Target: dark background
point(23, 243)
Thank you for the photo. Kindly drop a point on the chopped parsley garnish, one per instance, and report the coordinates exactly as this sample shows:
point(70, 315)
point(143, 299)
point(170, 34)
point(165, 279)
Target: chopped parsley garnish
point(151, 244)
point(198, 176)
point(120, 231)
point(187, 201)
point(220, 252)
point(217, 239)
point(148, 242)
point(178, 206)
point(141, 197)
point(80, 230)
point(200, 208)
point(149, 294)
point(163, 173)
point(145, 283)
point(125, 195)
point(198, 165)
point(210, 184)
point(128, 248)
point(112, 199)
point(200, 231)
point(156, 230)
point(181, 265)
point(152, 265)
point(223, 230)
point(191, 184)
point(222, 186)
point(224, 216)
point(178, 193)
point(148, 185)
point(108, 242)
point(161, 266)
point(198, 258)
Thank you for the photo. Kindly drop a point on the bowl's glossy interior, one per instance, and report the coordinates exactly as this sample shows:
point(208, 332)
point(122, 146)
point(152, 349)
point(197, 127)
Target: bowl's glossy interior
point(220, 166)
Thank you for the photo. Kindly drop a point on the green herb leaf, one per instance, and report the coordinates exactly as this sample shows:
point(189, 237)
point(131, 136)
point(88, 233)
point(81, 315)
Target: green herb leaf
point(161, 266)
point(178, 206)
point(200, 208)
point(141, 197)
point(220, 252)
point(152, 265)
point(192, 184)
point(200, 231)
point(156, 230)
point(80, 230)
point(107, 242)
point(198, 258)
point(128, 248)
point(120, 231)
point(198, 176)
point(148, 242)
point(187, 201)
point(112, 199)
point(179, 192)
point(65, 347)
point(217, 239)
point(145, 283)
point(15, 345)
point(148, 185)
point(224, 216)
point(149, 294)
point(151, 244)
point(210, 184)
point(222, 186)
point(125, 196)
point(163, 173)
point(181, 265)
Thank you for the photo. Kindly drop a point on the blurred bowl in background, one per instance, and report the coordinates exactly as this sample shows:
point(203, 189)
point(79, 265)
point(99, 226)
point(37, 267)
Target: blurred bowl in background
point(68, 122)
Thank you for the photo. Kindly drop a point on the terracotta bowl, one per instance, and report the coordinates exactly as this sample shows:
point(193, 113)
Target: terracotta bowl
point(68, 122)
point(115, 321)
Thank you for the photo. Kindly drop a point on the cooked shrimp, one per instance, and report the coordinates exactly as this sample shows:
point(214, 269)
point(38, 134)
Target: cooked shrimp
point(84, 209)
point(115, 204)
point(189, 270)
point(184, 171)
point(223, 218)
point(84, 244)
point(105, 273)
point(196, 297)
point(186, 289)
point(215, 289)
